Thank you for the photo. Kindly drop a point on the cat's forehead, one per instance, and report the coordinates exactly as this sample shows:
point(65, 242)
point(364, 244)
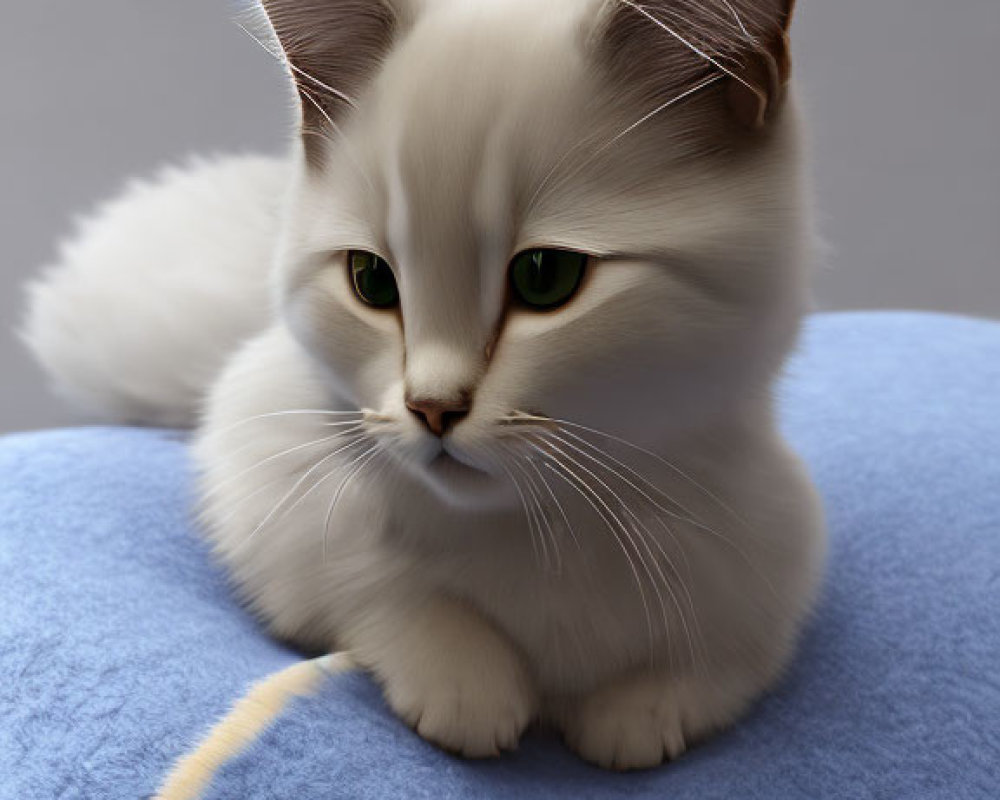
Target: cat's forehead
point(472, 104)
point(493, 127)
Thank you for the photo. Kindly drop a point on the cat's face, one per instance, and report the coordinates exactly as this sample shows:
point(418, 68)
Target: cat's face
point(658, 261)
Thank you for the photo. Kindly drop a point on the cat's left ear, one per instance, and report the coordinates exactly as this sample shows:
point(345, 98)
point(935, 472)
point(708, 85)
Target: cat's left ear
point(667, 46)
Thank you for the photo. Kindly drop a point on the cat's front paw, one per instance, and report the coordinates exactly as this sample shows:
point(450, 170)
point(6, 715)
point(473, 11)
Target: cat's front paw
point(635, 724)
point(476, 704)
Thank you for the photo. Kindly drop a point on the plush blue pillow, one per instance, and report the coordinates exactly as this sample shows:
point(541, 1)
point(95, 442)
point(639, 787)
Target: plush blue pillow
point(120, 643)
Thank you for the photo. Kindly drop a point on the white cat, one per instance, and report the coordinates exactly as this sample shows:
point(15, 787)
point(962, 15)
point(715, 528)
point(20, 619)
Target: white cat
point(507, 432)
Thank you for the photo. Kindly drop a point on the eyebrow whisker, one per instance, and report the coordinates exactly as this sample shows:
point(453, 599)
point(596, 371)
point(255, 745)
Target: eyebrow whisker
point(287, 62)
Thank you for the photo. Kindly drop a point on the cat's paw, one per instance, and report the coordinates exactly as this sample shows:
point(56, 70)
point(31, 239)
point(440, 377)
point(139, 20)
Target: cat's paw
point(476, 704)
point(636, 724)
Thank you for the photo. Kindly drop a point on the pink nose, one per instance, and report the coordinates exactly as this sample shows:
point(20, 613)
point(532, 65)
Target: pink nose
point(439, 415)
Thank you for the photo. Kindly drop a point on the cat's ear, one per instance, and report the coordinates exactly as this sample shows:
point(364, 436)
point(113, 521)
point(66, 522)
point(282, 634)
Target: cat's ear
point(670, 45)
point(333, 47)
point(763, 69)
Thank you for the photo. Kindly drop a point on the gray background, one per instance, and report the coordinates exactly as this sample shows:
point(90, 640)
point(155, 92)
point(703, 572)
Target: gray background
point(901, 96)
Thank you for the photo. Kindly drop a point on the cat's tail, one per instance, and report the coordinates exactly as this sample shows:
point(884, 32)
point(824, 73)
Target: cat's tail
point(157, 288)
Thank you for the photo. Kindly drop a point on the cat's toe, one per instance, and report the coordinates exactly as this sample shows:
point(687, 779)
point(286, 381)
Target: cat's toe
point(465, 714)
point(473, 730)
point(626, 728)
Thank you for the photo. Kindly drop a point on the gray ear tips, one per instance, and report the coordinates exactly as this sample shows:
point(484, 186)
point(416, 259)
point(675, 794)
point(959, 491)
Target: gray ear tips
point(758, 91)
point(333, 48)
point(746, 42)
point(748, 106)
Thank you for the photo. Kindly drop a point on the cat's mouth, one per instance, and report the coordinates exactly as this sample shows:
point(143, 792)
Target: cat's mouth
point(461, 480)
point(446, 465)
point(464, 485)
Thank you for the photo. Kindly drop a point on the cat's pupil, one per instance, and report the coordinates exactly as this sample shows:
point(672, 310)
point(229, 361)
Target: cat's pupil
point(373, 280)
point(543, 275)
point(547, 278)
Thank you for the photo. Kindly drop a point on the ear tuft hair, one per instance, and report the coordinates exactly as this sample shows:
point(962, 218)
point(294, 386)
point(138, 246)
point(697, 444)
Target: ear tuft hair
point(333, 48)
point(668, 46)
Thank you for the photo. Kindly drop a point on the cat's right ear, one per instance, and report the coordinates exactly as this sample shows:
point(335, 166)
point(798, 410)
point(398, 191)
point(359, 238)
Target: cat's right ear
point(333, 48)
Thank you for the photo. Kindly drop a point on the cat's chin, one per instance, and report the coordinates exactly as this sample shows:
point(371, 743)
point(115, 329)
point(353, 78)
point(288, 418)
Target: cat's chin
point(453, 480)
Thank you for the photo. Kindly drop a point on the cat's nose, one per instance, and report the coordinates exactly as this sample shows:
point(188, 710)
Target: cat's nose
point(438, 416)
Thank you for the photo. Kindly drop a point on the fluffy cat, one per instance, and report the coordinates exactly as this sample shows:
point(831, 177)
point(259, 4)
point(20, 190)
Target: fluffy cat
point(506, 431)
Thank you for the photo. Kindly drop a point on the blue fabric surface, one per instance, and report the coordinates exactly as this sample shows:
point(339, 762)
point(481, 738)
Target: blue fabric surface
point(120, 644)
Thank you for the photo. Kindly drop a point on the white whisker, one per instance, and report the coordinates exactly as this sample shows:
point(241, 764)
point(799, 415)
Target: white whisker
point(216, 488)
point(325, 114)
point(253, 443)
point(235, 508)
point(614, 140)
point(659, 110)
point(638, 521)
point(673, 467)
point(574, 481)
point(669, 531)
point(282, 59)
point(636, 488)
point(300, 482)
point(739, 21)
point(691, 46)
point(356, 467)
point(543, 517)
point(348, 149)
point(290, 413)
point(555, 500)
point(535, 543)
point(552, 172)
point(677, 470)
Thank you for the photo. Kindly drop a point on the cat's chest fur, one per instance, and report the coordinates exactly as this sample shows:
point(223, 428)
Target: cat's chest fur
point(582, 596)
point(551, 611)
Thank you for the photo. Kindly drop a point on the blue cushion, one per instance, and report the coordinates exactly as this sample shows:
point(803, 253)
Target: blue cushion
point(120, 643)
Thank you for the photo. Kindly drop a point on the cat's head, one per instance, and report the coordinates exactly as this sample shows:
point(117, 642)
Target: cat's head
point(580, 209)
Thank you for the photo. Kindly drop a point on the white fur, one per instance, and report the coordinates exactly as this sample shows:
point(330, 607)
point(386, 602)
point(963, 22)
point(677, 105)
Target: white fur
point(348, 531)
point(158, 287)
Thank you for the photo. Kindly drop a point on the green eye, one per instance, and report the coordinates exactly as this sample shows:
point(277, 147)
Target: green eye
point(373, 279)
point(545, 279)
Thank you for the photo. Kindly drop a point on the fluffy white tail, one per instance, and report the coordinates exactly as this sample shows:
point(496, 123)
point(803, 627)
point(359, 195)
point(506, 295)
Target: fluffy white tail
point(157, 288)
